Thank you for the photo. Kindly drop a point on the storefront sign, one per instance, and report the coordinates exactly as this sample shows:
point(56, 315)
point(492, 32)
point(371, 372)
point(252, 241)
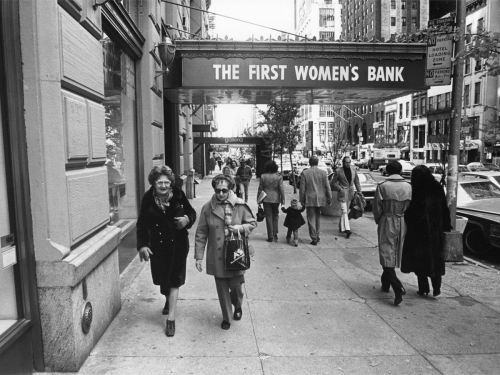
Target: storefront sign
point(302, 72)
point(222, 141)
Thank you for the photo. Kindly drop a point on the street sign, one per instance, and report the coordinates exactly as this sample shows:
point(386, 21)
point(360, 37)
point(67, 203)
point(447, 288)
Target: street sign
point(467, 138)
point(438, 77)
point(448, 22)
point(439, 51)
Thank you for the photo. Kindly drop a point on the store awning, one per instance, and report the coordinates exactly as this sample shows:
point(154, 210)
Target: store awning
point(300, 72)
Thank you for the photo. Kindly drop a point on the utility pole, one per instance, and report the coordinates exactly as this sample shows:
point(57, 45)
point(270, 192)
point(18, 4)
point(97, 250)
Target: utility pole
point(456, 114)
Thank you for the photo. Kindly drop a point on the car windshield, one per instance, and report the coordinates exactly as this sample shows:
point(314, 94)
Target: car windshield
point(497, 178)
point(481, 190)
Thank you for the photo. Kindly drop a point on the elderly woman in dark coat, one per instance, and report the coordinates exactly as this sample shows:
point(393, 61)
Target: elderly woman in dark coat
point(222, 214)
point(426, 218)
point(162, 236)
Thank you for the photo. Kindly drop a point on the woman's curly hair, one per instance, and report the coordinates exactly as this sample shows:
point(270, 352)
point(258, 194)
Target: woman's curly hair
point(157, 171)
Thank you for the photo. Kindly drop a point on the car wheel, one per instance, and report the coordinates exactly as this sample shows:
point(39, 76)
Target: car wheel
point(474, 241)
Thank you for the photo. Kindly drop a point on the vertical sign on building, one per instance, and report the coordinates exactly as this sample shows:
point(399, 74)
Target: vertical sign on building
point(311, 136)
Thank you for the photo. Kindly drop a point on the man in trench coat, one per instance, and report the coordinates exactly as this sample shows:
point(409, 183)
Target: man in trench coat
point(314, 193)
point(392, 198)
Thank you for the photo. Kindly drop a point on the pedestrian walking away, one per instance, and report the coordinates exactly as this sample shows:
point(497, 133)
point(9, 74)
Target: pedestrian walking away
point(426, 218)
point(222, 215)
point(271, 183)
point(293, 220)
point(219, 162)
point(213, 163)
point(392, 198)
point(244, 175)
point(162, 237)
point(314, 193)
point(344, 181)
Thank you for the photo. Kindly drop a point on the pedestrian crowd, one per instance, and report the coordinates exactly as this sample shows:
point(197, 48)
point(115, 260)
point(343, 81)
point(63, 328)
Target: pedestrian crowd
point(411, 217)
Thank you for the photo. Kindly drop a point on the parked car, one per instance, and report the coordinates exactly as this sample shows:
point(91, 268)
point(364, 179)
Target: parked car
point(489, 175)
point(477, 167)
point(297, 171)
point(405, 172)
point(491, 166)
point(361, 163)
point(437, 169)
point(479, 201)
point(368, 186)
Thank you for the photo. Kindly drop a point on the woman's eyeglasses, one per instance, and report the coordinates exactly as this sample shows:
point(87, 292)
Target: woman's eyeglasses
point(219, 191)
point(163, 183)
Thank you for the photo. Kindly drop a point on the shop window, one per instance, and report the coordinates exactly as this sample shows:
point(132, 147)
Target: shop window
point(121, 138)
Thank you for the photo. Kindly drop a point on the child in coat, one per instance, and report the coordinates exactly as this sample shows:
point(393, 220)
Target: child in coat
point(293, 220)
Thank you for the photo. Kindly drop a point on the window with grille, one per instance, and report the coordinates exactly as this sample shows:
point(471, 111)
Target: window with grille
point(326, 17)
point(393, 21)
point(327, 35)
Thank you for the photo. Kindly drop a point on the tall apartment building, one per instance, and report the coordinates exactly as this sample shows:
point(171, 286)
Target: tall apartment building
point(319, 19)
point(382, 19)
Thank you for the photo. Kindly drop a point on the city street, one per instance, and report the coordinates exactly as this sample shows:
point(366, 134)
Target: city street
point(307, 310)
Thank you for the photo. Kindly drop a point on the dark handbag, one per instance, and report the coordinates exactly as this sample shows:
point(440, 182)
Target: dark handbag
point(236, 253)
point(260, 214)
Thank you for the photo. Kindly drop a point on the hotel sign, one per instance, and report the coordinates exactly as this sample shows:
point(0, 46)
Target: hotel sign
point(303, 73)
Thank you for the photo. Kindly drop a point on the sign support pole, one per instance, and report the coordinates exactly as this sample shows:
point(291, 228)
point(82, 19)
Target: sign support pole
point(456, 114)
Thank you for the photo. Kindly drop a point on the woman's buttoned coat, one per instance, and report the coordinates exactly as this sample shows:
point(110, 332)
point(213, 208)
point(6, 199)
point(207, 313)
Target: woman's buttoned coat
point(210, 233)
point(170, 246)
point(345, 188)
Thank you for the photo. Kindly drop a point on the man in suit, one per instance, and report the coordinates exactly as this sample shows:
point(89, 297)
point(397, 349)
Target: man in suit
point(344, 181)
point(314, 193)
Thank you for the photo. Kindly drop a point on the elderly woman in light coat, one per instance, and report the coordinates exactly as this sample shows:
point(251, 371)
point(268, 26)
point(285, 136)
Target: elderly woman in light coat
point(222, 214)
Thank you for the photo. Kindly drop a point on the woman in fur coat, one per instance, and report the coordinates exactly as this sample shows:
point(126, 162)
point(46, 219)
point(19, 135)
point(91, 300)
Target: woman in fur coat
point(426, 218)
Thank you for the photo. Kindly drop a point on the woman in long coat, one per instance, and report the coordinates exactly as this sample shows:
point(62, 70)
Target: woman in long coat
point(427, 218)
point(271, 183)
point(222, 214)
point(162, 236)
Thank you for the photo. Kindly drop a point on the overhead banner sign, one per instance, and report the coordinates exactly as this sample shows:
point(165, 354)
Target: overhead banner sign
point(229, 141)
point(303, 72)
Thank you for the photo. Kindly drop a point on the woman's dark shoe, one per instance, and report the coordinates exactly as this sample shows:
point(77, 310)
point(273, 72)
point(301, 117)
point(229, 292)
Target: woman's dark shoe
point(270, 240)
point(422, 293)
point(275, 238)
point(165, 308)
point(225, 325)
point(436, 292)
point(317, 239)
point(314, 243)
point(348, 233)
point(237, 314)
point(398, 299)
point(170, 328)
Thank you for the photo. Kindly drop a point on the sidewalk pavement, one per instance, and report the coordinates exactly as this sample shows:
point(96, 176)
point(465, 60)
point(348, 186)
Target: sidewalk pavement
point(307, 310)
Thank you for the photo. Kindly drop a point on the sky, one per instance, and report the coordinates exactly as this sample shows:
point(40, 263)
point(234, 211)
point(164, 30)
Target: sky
point(277, 14)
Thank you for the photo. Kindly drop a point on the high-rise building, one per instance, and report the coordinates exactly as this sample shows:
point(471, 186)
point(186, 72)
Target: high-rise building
point(318, 19)
point(382, 19)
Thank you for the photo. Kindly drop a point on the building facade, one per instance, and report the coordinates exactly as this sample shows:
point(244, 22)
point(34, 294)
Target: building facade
point(83, 122)
point(382, 19)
